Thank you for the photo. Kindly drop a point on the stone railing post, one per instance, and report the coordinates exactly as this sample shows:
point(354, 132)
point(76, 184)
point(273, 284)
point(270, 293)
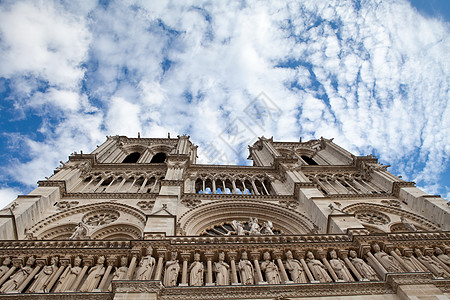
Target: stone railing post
point(255, 257)
point(284, 277)
point(234, 279)
point(209, 278)
point(185, 257)
point(132, 266)
point(161, 255)
point(111, 261)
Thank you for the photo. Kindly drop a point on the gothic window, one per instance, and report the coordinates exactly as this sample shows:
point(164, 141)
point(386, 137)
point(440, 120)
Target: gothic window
point(158, 158)
point(373, 217)
point(308, 160)
point(131, 158)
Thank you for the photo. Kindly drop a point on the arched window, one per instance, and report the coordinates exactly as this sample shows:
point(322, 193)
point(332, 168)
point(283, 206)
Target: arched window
point(308, 160)
point(158, 158)
point(131, 158)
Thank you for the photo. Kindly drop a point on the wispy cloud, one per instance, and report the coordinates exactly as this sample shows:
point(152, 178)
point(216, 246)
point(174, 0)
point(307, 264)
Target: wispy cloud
point(373, 76)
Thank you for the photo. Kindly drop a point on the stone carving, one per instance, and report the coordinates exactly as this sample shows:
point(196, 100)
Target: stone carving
point(268, 228)
point(80, 232)
point(239, 229)
point(441, 256)
point(408, 224)
point(44, 277)
point(196, 270)
point(295, 268)
point(222, 270)
point(5, 266)
point(254, 226)
point(69, 276)
point(16, 280)
point(94, 276)
point(362, 267)
point(432, 265)
point(317, 268)
point(270, 269)
point(100, 218)
point(339, 267)
point(373, 217)
point(172, 270)
point(387, 261)
point(410, 261)
point(393, 203)
point(145, 205)
point(121, 272)
point(246, 269)
point(146, 265)
point(63, 205)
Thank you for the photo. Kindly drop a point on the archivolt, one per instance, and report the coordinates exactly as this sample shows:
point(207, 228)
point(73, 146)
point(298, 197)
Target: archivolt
point(117, 232)
point(197, 220)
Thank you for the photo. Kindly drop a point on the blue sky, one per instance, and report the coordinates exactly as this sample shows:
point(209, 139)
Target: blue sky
point(373, 75)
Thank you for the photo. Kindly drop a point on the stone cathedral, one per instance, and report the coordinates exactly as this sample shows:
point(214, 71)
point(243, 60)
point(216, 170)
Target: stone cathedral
point(139, 218)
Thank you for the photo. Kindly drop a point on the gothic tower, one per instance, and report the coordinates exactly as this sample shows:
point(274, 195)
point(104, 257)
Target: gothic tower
point(139, 217)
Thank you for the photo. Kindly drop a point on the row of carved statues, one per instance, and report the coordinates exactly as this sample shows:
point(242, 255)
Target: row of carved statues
point(340, 266)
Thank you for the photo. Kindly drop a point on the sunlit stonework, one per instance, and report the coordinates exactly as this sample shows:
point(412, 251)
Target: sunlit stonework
point(139, 218)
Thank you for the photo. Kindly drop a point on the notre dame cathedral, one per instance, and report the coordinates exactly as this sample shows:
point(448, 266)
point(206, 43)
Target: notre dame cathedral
point(138, 218)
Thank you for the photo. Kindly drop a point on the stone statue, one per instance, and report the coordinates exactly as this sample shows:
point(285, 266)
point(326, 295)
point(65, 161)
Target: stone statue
point(362, 267)
point(121, 272)
point(317, 268)
point(441, 256)
point(16, 280)
point(387, 261)
point(196, 270)
point(172, 270)
point(239, 229)
point(222, 270)
point(44, 277)
point(246, 270)
point(69, 276)
point(268, 228)
point(270, 269)
point(411, 262)
point(94, 276)
point(146, 265)
point(255, 229)
point(81, 232)
point(5, 266)
point(408, 224)
point(339, 267)
point(432, 265)
point(295, 268)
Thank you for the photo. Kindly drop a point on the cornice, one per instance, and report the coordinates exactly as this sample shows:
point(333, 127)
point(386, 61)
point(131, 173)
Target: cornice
point(192, 196)
point(110, 195)
point(398, 185)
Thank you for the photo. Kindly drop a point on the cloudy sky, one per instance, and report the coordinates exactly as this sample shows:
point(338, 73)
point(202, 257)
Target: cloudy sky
point(373, 75)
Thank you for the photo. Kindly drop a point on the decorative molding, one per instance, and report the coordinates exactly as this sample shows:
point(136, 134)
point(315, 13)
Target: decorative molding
point(396, 279)
point(398, 185)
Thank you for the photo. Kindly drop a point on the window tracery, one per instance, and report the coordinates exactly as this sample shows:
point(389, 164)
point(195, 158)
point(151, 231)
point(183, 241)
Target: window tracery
point(99, 218)
point(373, 217)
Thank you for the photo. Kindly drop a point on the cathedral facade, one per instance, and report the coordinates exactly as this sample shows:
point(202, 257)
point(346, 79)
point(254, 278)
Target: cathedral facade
point(139, 218)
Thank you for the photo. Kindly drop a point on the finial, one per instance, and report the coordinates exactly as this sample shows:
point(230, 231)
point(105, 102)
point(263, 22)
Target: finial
point(139, 135)
point(168, 135)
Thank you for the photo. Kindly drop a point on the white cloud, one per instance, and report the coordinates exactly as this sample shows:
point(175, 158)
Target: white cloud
point(7, 195)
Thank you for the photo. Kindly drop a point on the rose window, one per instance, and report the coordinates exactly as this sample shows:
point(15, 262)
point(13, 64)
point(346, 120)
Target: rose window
point(99, 218)
point(373, 217)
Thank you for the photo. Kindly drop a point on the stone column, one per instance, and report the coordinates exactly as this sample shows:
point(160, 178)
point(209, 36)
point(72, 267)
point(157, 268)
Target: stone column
point(323, 257)
point(17, 262)
point(87, 262)
point(234, 280)
point(344, 255)
point(376, 265)
point(64, 263)
point(132, 266)
point(185, 257)
point(284, 277)
point(300, 256)
point(161, 254)
point(255, 257)
point(40, 262)
point(111, 261)
point(233, 183)
point(401, 261)
point(254, 188)
point(209, 278)
point(214, 186)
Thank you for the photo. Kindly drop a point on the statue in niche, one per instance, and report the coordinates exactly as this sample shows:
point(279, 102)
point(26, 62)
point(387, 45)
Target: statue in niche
point(246, 270)
point(94, 276)
point(5, 266)
point(410, 261)
point(270, 269)
point(432, 265)
point(238, 228)
point(362, 267)
point(69, 276)
point(196, 270)
point(408, 224)
point(81, 232)
point(255, 229)
point(317, 268)
point(295, 268)
point(19, 277)
point(146, 265)
point(172, 270)
point(339, 267)
point(222, 270)
point(441, 256)
point(44, 277)
point(387, 261)
point(268, 228)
